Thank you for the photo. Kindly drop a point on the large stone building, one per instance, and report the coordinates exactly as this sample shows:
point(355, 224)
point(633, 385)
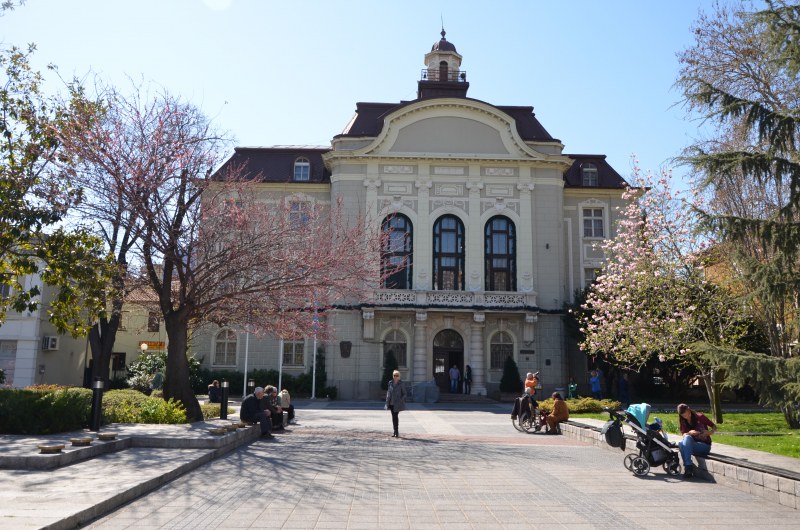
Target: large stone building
point(496, 226)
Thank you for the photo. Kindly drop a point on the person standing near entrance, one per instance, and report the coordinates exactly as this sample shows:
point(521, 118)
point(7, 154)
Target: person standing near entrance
point(467, 379)
point(455, 374)
point(396, 401)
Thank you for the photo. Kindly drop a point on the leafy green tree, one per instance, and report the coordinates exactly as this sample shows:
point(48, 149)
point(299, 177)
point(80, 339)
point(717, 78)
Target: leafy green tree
point(742, 75)
point(34, 198)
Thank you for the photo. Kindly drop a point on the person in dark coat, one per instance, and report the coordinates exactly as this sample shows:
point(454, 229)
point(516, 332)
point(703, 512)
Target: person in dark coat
point(271, 404)
point(396, 401)
point(214, 392)
point(467, 379)
point(251, 412)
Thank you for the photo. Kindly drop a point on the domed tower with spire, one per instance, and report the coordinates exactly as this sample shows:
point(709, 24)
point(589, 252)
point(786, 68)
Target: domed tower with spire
point(443, 76)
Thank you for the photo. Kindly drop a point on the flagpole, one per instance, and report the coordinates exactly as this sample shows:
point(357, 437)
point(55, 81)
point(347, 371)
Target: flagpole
point(280, 364)
point(314, 324)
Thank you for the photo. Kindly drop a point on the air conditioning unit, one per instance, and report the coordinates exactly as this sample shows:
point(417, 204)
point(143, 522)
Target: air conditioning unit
point(49, 343)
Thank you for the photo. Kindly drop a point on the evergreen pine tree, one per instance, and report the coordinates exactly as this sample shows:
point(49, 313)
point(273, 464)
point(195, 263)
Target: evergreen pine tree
point(511, 380)
point(764, 245)
point(389, 366)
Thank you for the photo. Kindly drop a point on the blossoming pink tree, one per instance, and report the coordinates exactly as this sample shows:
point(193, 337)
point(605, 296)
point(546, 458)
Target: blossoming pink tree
point(210, 246)
point(652, 298)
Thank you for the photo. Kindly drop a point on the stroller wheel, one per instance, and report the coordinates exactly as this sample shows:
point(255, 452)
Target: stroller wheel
point(640, 466)
point(672, 467)
point(629, 461)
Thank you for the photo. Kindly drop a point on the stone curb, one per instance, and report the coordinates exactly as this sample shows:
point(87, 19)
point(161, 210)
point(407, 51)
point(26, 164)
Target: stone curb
point(236, 439)
point(776, 485)
point(72, 455)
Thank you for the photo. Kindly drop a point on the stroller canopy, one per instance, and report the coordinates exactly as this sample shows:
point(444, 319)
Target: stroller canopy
point(640, 411)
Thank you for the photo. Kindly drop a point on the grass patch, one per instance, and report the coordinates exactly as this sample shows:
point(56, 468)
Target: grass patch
point(782, 440)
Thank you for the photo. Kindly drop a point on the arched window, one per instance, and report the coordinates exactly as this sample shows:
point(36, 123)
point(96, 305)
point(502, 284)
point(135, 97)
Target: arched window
point(395, 342)
point(443, 71)
point(225, 348)
point(502, 347)
point(396, 255)
point(448, 254)
point(302, 169)
point(589, 174)
point(500, 254)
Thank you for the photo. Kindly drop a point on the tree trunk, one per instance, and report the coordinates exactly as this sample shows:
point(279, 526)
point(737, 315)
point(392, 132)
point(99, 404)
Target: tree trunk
point(792, 416)
point(714, 391)
point(102, 336)
point(177, 384)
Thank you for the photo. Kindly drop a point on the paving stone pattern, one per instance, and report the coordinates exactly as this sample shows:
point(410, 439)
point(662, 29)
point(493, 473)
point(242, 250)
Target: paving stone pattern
point(450, 469)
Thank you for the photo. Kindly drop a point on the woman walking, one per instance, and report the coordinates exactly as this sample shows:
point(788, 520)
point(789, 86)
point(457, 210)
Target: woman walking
point(396, 400)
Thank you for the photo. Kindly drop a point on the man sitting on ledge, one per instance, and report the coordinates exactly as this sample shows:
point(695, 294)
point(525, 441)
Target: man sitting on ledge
point(251, 412)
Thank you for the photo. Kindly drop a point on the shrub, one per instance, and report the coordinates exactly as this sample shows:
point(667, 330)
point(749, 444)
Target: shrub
point(581, 405)
point(2, 376)
point(44, 410)
point(211, 410)
point(152, 362)
point(156, 410)
point(330, 392)
point(511, 381)
point(140, 382)
point(122, 406)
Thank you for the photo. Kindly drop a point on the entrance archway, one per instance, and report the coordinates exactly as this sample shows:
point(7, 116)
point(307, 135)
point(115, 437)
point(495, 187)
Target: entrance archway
point(448, 350)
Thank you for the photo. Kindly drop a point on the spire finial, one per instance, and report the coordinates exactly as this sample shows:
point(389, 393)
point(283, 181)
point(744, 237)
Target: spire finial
point(443, 33)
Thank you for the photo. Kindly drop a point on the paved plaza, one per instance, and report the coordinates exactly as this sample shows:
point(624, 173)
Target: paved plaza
point(452, 468)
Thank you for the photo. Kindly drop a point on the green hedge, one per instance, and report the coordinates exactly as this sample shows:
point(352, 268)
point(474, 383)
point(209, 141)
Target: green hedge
point(52, 409)
point(44, 411)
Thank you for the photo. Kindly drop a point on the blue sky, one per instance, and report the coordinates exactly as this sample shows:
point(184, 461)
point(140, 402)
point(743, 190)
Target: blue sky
point(599, 74)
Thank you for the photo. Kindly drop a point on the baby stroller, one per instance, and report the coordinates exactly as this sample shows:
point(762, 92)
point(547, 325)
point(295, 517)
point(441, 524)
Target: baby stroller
point(654, 448)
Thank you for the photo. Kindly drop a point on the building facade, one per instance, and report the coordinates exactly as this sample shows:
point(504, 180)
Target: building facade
point(32, 352)
point(493, 226)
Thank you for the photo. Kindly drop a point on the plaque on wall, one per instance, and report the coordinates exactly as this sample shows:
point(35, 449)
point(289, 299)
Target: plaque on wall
point(527, 352)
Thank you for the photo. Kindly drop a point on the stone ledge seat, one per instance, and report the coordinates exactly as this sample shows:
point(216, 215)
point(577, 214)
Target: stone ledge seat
point(769, 482)
point(50, 448)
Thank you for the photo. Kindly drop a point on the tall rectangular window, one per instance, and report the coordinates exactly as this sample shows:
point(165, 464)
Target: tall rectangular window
point(293, 353)
point(593, 222)
point(299, 213)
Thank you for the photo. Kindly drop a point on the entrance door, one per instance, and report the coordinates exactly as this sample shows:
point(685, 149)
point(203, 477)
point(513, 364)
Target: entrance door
point(448, 350)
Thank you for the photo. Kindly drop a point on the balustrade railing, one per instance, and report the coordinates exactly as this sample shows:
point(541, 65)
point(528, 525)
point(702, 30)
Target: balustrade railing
point(455, 299)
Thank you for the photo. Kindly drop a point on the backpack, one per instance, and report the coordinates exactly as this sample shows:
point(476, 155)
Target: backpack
point(612, 431)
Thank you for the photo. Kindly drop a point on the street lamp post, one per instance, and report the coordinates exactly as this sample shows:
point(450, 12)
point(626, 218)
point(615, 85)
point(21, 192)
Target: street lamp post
point(223, 403)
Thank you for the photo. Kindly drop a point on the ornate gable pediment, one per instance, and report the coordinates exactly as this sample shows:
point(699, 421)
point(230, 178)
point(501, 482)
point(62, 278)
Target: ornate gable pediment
point(450, 127)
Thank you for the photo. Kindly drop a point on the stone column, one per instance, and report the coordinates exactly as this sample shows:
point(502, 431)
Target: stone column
point(422, 235)
point(420, 368)
point(525, 244)
point(477, 355)
point(473, 269)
